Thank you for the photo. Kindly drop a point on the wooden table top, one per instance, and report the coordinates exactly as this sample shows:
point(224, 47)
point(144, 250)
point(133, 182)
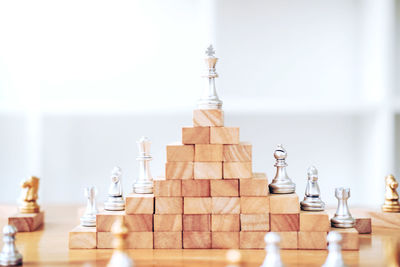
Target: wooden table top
point(49, 247)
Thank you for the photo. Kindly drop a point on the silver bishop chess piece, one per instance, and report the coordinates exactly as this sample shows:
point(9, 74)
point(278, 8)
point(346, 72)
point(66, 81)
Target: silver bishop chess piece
point(334, 258)
point(9, 255)
point(342, 218)
point(281, 184)
point(273, 257)
point(144, 184)
point(89, 218)
point(210, 99)
point(312, 200)
point(115, 200)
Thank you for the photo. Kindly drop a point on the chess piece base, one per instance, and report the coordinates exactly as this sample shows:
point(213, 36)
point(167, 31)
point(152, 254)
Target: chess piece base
point(143, 188)
point(88, 221)
point(115, 203)
point(209, 104)
point(312, 204)
point(29, 207)
point(284, 188)
point(13, 261)
point(342, 222)
point(391, 206)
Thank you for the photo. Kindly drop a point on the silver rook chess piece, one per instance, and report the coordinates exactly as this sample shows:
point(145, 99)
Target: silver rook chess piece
point(144, 184)
point(89, 218)
point(281, 184)
point(273, 257)
point(210, 99)
point(115, 199)
point(334, 258)
point(312, 201)
point(9, 255)
point(342, 218)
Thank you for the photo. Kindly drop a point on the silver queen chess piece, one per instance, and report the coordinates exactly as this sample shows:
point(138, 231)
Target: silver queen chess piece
point(9, 255)
point(342, 218)
point(281, 184)
point(144, 184)
point(89, 217)
point(312, 200)
point(115, 200)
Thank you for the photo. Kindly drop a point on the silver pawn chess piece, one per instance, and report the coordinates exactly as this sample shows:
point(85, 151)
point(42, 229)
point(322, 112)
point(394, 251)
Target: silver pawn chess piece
point(273, 257)
point(89, 218)
point(210, 99)
point(9, 255)
point(115, 199)
point(144, 184)
point(281, 184)
point(312, 201)
point(342, 218)
point(334, 258)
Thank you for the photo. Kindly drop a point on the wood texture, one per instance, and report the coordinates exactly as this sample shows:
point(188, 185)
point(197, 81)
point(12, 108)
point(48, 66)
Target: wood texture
point(139, 204)
point(225, 240)
point(363, 225)
point(385, 219)
point(196, 135)
point(27, 222)
point(196, 188)
point(134, 222)
point(196, 240)
point(252, 240)
point(350, 238)
point(224, 188)
point(169, 205)
point(168, 223)
point(240, 152)
point(285, 222)
point(133, 240)
point(82, 237)
point(197, 222)
point(233, 170)
point(257, 186)
point(284, 203)
point(225, 223)
point(171, 240)
point(208, 153)
point(289, 240)
point(314, 221)
point(254, 205)
point(225, 205)
point(167, 188)
point(177, 152)
point(208, 117)
point(208, 170)
point(312, 240)
point(197, 205)
point(224, 135)
point(179, 170)
point(254, 222)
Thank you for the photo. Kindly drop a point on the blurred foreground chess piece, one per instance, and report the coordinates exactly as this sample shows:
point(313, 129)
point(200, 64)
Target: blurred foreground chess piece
point(281, 184)
point(273, 257)
point(89, 217)
point(115, 199)
point(342, 218)
point(29, 204)
point(392, 253)
point(312, 200)
point(9, 256)
point(334, 258)
point(144, 184)
point(391, 197)
point(233, 257)
point(119, 257)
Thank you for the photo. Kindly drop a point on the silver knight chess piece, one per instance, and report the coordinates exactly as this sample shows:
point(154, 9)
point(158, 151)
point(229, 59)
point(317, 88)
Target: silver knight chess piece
point(312, 200)
point(281, 184)
point(342, 218)
point(273, 257)
point(210, 99)
point(9, 255)
point(334, 258)
point(89, 218)
point(115, 200)
point(144, 184)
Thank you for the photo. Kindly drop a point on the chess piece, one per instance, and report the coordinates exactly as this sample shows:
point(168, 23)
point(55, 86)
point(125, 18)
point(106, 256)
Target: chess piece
point(119, 257)
point(144, 184)
point(210, 98)
point(312, 201)
point(392, 252)
point(29, 204)
point(342, 218)
point(233, 257)
point(334, 258)
point(115, 199)
point(9, 255)
point(391, 197)
point(89, 218)
point(273, 257)
point(281, 184)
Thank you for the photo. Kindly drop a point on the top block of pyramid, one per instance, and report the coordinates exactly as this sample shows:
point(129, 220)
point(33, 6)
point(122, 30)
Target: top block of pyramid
point(208, 118)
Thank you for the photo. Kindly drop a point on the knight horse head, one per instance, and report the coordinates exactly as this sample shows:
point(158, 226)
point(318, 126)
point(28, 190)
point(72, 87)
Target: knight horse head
point(32, 183)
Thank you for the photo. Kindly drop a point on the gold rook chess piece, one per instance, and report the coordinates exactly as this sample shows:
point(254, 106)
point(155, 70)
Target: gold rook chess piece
point(29, 204)
point(119, 257)
point(391, 197)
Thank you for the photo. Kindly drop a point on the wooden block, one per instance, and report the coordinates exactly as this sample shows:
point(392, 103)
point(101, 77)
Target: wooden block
point(167, 188)
point(167, 223)
point(208, 153)
point(225, 240)
point(179, 170)
point(225, 205)
point(254, 222)
point(180, 153)
point(195, 135)
point(208, 117)
point(241, 152)
point(254, 205)
point(284, 203)
point(133, 240)
point(208, 170)
point(237, 170)
point(197, 205)
point(350, 240)
point(289, 240)
point(196, 239)
point(285, 222)
point(312, 240)
point(83, 237)
point(225, 223)
point(363, 225)
point(134, 222)
point(224, 188)
point(314, 221)
point(168, 240)
point(27, 222)
point(139, 204)
point(257, 186)
point(196, 222)
point(196, 188)
point(224, 135)
point(252, 240)
point(169, 205)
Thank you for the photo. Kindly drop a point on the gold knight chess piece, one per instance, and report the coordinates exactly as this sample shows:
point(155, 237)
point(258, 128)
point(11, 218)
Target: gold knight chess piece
point(29, 204)
point(391, 197)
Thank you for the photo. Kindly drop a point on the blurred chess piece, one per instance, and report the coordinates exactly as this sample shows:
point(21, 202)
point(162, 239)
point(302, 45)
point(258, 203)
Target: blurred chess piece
point(115, 199)
point(29, 204)
point(392, 253)
point(119, 257)
point(9, 255)
point(334, 258)
point(342, 218)
point(273, 257)
point(281, 184)
point(312, 201)
point(391, 197)
point(144, 184)
point(233, 257)
point(210, 99)
point(89, 217)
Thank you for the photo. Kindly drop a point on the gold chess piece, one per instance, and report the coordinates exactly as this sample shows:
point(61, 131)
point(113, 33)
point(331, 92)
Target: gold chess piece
point(119, 257)
point(29, 204)
point(392, 253)
point(391, 197)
